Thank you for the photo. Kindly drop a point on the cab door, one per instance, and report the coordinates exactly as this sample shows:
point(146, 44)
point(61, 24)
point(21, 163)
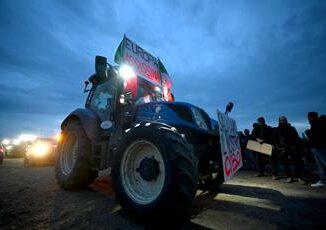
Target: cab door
point(103, 103)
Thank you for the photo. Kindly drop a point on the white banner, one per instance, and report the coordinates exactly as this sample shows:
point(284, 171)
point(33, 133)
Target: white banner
point(230, 145)
point(144, 64)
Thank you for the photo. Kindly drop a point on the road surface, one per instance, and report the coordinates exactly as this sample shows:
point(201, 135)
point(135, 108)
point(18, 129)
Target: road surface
point(31, 199)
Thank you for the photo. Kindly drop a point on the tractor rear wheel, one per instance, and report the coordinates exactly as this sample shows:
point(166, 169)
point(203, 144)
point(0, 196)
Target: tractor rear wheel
point(72, 168)
point(155, 171)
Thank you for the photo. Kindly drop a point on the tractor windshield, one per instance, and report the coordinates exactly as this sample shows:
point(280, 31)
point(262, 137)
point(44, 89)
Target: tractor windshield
point(103, 98)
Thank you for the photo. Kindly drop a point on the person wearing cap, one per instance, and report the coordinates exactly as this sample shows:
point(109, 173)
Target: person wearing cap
point(262, 133)
point(286, 141)
point(317, 140)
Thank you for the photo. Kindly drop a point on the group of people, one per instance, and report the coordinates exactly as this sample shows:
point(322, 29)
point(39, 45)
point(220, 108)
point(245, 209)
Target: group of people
point(287, 146)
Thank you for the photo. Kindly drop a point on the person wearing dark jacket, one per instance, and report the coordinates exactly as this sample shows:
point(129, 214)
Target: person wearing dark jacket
point(317, 140)
point(243, 142)
point(262, 133)
point(286, 141)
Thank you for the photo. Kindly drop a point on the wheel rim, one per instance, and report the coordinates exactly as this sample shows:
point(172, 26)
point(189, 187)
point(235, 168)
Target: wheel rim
point(142, 172)
point(68, 154)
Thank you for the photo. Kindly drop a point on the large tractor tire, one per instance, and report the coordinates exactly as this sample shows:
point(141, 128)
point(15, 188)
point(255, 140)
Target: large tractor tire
point(72, 168)
point(155, 172)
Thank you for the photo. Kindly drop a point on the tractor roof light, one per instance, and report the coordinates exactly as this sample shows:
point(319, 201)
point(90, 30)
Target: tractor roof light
point(126, 72)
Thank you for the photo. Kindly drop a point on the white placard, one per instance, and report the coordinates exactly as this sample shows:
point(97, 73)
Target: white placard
point(260, 148)
point(230, 145)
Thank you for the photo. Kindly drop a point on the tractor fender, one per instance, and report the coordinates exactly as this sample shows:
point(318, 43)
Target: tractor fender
point(89, 120)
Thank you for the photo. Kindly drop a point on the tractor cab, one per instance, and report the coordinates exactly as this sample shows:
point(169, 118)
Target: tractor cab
point(116, 91)
point(103, 94)
point(113, 98)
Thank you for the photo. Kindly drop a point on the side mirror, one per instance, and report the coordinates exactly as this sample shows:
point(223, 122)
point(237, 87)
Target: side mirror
point(101, 67)
point(229, 108)
point(85, 89)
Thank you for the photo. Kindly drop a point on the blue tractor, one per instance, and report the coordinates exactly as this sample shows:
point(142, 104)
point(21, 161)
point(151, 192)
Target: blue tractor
point(160, 152)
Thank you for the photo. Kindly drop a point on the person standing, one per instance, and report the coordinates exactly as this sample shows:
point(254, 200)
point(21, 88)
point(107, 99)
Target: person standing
point(286, 141)
point(262, 133)
point(243, 141)
point(317, 140)
point(247, 158)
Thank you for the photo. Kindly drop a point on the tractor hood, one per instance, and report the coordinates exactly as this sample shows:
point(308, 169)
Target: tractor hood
point(175, 114)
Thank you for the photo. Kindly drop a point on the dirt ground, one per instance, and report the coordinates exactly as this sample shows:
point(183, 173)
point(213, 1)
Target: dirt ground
point(31, 199)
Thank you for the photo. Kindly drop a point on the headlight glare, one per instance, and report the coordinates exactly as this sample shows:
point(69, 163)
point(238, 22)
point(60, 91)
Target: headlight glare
point(126, 72)
point(40, 149)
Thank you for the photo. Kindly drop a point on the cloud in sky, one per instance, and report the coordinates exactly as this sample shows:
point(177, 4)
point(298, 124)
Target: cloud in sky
point(268, 57)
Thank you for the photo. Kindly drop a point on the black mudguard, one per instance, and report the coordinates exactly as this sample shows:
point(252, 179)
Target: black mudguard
point(89, 120)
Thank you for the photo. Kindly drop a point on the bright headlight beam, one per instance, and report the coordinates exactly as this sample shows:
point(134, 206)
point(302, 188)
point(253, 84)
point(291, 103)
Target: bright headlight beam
point(249, 201)
point(40, 149)
point(126, 72)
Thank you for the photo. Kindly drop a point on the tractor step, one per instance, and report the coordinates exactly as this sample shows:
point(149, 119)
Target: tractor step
point(99, 153)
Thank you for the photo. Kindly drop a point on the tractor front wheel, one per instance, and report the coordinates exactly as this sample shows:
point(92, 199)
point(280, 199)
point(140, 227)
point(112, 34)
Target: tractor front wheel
point(73, 169)
point(155, 171)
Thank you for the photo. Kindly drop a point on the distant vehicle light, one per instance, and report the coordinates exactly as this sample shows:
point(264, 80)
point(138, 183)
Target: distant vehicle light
point(58, 137)
point(27, 137)
point(40, 149)
point(6, 141)
point(16, 142)
point(126, 72)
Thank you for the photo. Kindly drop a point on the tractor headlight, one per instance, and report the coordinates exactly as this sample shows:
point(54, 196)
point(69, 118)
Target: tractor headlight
point(126, 72)
point(199, 119)
point(122, 99)
point(40, 149)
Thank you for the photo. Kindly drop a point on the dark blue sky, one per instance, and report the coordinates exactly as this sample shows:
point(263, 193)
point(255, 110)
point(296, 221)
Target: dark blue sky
point(268, 57)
